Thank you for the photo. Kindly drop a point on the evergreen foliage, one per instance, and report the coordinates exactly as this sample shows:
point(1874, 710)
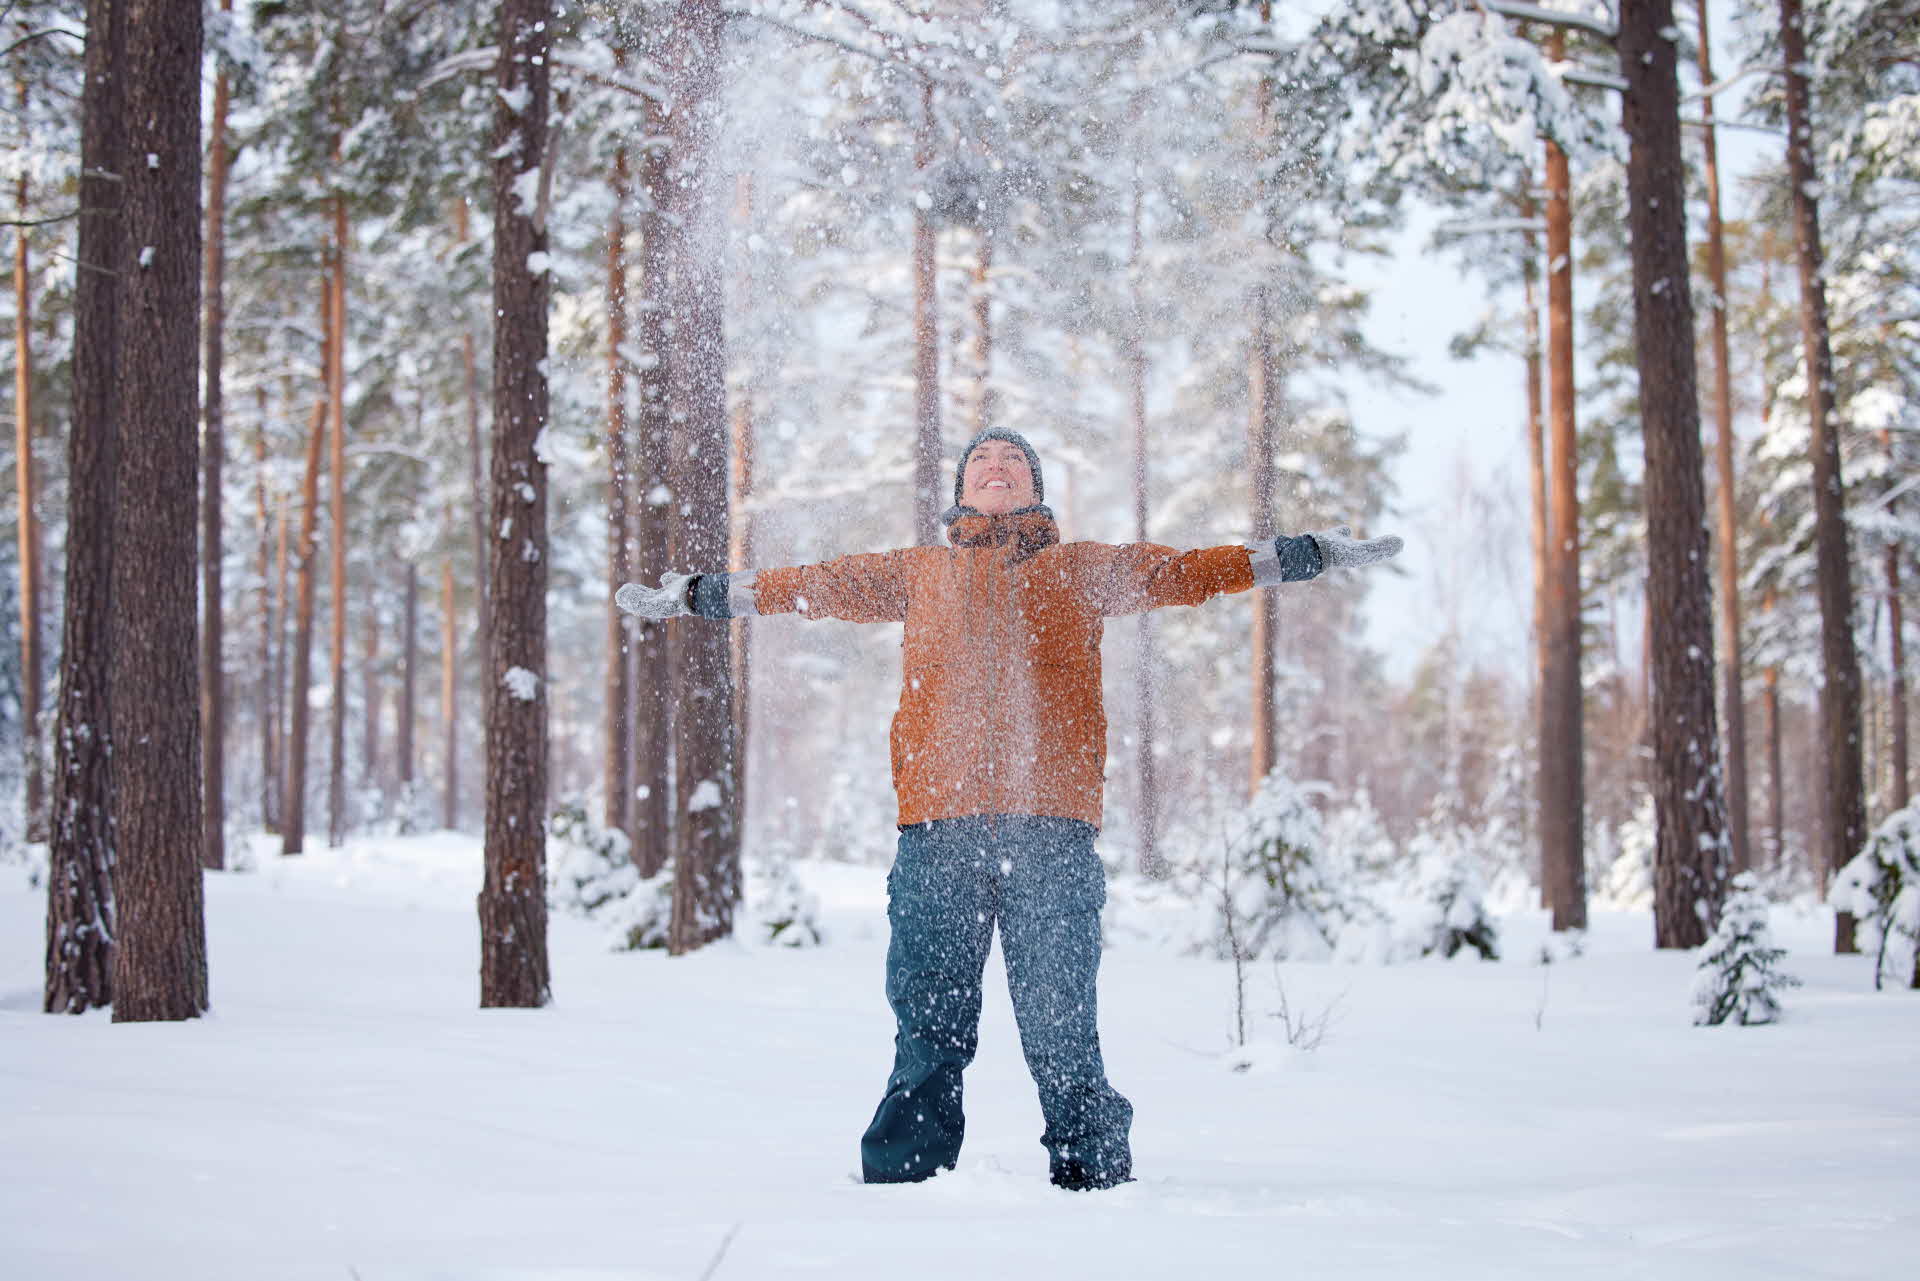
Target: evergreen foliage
point(1739, 978)
point(1881, 887)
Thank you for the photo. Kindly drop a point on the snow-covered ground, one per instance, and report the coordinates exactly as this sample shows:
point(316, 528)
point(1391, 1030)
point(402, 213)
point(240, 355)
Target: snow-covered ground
point(347, 1111)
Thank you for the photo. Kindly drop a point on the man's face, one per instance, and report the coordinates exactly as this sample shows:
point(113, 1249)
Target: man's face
point(998, 479)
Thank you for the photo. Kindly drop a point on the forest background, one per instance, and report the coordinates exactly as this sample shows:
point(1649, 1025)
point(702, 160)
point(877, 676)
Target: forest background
point(771, 305)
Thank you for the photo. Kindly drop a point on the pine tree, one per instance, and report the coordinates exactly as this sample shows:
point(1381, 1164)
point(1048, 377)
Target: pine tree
point(1739, 976)
point(160, 958)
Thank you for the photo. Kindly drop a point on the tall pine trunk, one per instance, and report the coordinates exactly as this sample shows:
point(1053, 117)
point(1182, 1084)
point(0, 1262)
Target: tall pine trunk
point(619, 709)
point(1690, 871)
point(1733, 696)
point(706, 836)
point(651, 676)
point(928, 501)
point(1263, 391)
point(1844, 794)
point(267, 691)
point(32, 662)
point(1146, 789)
point(293, 827)
point(740, 532)
point(370, 698)
point(449, 701)
point(513, 903)
point(1897, 668)
point(213, 706)
point(337, 532)
point(1537, 513)
point(80, 929)
point(1562, 786)
point(160, 956)
point(476, 456)
point(409, 659)
point(981, 305)
point(1261, 414)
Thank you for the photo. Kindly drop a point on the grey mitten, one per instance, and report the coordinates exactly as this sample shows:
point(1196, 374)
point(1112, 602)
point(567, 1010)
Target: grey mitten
point(668, 600)
point(1339, 549)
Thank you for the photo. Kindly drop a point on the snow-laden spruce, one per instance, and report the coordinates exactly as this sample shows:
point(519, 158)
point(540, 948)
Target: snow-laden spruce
point(591, 874)
point(1739, 978)
point(1881, 887)
point(1281, 881)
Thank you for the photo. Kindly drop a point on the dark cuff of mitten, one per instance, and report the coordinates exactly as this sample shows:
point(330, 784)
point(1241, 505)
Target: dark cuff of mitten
point(1299, 558)
point(708, 597)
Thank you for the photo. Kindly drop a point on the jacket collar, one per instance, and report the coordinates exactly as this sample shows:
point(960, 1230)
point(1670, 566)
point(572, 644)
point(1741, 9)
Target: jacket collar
point(1028, 530)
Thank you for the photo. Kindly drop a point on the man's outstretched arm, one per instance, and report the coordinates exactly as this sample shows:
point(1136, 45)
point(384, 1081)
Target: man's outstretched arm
point(1143, 576)
point(868, 588)
point(1294, 560)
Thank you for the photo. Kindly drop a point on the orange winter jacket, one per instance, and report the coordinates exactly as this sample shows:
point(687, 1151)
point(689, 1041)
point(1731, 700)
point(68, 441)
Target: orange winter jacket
point(1000, 706)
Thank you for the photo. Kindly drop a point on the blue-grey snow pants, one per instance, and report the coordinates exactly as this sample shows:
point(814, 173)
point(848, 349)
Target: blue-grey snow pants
point(952, 880)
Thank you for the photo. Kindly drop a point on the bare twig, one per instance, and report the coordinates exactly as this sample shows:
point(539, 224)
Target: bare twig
point(36, 35)
point(1309, 1030)
point(49, 220)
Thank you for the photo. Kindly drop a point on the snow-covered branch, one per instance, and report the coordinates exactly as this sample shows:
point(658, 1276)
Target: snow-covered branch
point(1729, 82)
point(1588, 76)
point(1551, 17)
point(1489, 226)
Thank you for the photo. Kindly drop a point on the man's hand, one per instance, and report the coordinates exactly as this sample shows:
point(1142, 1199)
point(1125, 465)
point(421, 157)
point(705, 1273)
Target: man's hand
point(668, 600)
point(1340, 550)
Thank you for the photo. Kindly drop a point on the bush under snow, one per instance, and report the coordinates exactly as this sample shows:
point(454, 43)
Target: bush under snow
point(1881, 887)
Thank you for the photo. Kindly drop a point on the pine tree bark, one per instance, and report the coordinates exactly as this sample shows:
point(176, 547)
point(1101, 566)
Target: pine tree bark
point(293, 827)
point(619, 710)
point(213, 708)
point(80, 926)
point(981, 291)
point(1844, 796)
point(266, 694)
point(32, 663)
point(476, 455)
point(160, 957)
point(337, 533)
point(1899, 793)
point(1537, 512)
point(740, 531)
point(409, 659)
point(1691, 852)
point(370, 697)
point(651, 670)
point(449, 703)
point(706, 832)
point(1146, 789)
point(513, 903)
point(1733, 702)
point(927, 447)
point(1776, 771)
point(1562, 751)
point(1263, 377)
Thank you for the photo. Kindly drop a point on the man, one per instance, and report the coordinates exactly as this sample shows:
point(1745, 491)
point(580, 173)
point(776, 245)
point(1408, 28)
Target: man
point(999, 746)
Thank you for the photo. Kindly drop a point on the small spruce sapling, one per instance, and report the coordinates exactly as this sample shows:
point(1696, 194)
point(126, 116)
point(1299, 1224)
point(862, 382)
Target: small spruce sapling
point(1881, 887)
point(590, 873)
point(1739, 977)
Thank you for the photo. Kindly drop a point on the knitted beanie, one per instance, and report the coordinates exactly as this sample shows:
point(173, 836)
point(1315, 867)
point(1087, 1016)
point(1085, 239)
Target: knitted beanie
point(1011, 437)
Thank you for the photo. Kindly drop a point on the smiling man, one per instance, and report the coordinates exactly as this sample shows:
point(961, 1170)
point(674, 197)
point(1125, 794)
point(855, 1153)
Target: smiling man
point(999, 748)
